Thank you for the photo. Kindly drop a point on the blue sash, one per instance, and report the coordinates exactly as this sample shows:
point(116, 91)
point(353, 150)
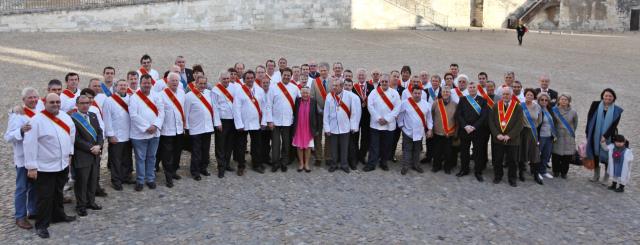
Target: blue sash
point(474, 104)
point(432, 93)
point(531, 123)
point(85, 124)
point(105, 90)
point(184, 83)
point(546, 114)
point(564, 121)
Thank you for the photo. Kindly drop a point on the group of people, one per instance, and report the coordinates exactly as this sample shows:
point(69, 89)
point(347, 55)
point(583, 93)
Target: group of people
point(335, 116)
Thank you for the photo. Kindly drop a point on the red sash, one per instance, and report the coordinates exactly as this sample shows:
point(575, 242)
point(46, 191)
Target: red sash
point(239, 82)
point(43, 100)
point(410, 87)
point(286, 94)
point(176, 103)
point(259, 82)
point(57, 121)
point(120, 102)
point(342, 105)
point(253, 99)
point(323, 92)
point(458, 92)
point(384, 98)
point(30, 113)
point(225, 92)
point(417, 109)
point(485, 96)
point(146, 100)
point(361, 93)
point(505, 117)
point(69, 94)
point(129, 91)
point(515, 98)
point(370, 81)
point(96, 105)
point(204, 101)
point(443, 118)
point(144, 71)
point(295, 83)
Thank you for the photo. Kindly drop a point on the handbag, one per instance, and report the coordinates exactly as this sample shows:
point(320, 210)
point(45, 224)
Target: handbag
point(589, 164)
point(577, 159)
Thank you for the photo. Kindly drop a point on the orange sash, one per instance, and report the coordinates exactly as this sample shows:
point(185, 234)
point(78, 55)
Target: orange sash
point(57, 121)
point(458, 92)
point(485, 96)
point(323, 92)
point(204, 101)
point(385, 98)
point(410, 87)
point(176, 103)
point(253, 99)
point(129, 91)
point(286, 94)
point(505, 118)
point(146, 100)
point(96, 105)
point(239, 82)
point(144, 71)
point(225, 92)
point(259, 82)
point(443, 118)
point(417, 109)
point(361, 93)
point(120, 102)
point(30, 113)
point(69, 94)
point(342, 105)
point(295, 83)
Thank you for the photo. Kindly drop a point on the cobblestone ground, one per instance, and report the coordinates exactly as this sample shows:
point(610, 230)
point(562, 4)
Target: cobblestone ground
point(321, 207)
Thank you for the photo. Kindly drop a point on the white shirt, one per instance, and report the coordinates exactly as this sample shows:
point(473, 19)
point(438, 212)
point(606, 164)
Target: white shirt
point(405, 84)
point(455, 97)
point(40, 105)
point(245, 113)
point(277, 76)
point(499, 91)
point(172, 124)
point(68, 103)
point(153, 73)
point(407, 94)
point(97, 109)
point(224, 105)
point(116, 119)
point(142, 117)
point(335, 119)
point(378, 109)
point(13, 136)
point(198, 117)
point(278, 110)
point(47, 144)
point(410, 122)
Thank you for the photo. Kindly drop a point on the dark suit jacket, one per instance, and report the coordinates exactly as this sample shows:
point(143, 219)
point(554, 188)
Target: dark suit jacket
point(513, 127)
point(467, 115)
point(366, 117)
point(314, 117)
point(189, 74)
point(438, 95)
point(552, 93)
point(82, 156)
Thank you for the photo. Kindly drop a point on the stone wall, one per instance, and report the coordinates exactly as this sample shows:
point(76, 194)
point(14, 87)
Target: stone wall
point(596, 14)
point(191, 15)
point(380, 14)
point(496, 12)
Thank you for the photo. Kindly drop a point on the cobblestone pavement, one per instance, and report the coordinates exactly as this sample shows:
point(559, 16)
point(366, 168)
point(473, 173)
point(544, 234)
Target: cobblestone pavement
point(322, 207)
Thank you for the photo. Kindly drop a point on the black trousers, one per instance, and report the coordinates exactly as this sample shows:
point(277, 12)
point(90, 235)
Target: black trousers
point(200, 145)
point(363, 148)
point(264, 152)
point(48, 188)
point(224, 143)
point(520, 36)
point(120, 162)
point(560, 163)
point(256, 145)
point(443, 153)
point(354, 155)
point(170, 150)
point(85, 186)
point(339, 147)
point(507, 154)
point(280, 144)
point(479, 155)
point(429, 145)
point(380, 147)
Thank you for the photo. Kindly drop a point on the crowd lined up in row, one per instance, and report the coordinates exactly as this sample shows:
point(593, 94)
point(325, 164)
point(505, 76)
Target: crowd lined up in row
point(342, 118)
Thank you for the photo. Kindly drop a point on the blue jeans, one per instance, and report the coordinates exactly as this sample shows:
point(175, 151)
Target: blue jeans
point(25, 196)
point(546, 143)
point(145, 159)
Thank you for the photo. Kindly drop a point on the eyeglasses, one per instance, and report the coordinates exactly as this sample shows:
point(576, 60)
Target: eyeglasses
point(545, 100)
point(84, 103)
point(54, 102)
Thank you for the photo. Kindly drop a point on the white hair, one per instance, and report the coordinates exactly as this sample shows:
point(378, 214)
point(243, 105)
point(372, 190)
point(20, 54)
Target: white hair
point(173, 74)
point(466, 78)
point(28, 90)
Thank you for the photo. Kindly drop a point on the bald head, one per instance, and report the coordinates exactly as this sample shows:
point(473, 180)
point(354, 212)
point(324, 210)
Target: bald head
point(52, 103)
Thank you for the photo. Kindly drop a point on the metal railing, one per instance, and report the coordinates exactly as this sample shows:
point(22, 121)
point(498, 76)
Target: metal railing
point(421, 8)
point(8, 7)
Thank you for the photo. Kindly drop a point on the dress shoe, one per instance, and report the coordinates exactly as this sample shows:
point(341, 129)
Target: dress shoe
point(81, 212)
point(613, 186)
point(306, 170)
point(66, 200)
point(346, 169)
point(512, 183)
point(139, 187)
point(94, 206)
point(151, 185)
point(353, 166)
point(521, 176)
point(332, 169)
point(169, 184)
point(229, 168)
point(42, 233)
point(275, 168)
point(221, 173)
point(101, 193)
point(32, 216)
point(283, 168)
point(479, 177)
point(462, 173)
point(404, 170)
point(418, 169)
point(205, 173)
point(197, 178)
point(300, 170)
point(384, 167)
point(258, 170)
point(564, 176)
point(24, 224)
point(620, 189)
point(368, 168)
point(497, 181)
point(447, 171)
point(117, 187)
point(538, 179)
point(65, 219)
point(176, 177)
point(240, 171)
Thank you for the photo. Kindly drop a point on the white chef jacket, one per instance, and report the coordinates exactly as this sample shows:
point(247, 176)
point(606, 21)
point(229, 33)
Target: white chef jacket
point(335, 119)
point(13, 136)
point(198, 117)
point(278, 109)
point(49, 147)
point(142, 117)
point(407, 94)
point(455, 97)
point(116, 119)
point(378, 109)
point(410, 122)
point(67, 103)
point(245, 113)
point(224, 105)
point(154, 74)
point(172, 124)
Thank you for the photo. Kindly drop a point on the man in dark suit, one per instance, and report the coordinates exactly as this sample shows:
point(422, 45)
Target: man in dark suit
point(545, 81)
point(471, 117)
point(362, 88)
point(505, 124)
point(186, 74)
point(86, 157)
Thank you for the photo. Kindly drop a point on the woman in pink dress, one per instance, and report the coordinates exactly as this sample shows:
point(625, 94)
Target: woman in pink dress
point(305, 126)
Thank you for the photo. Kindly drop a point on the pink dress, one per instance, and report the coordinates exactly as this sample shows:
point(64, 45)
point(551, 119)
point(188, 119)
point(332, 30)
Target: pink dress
point(303, 137)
